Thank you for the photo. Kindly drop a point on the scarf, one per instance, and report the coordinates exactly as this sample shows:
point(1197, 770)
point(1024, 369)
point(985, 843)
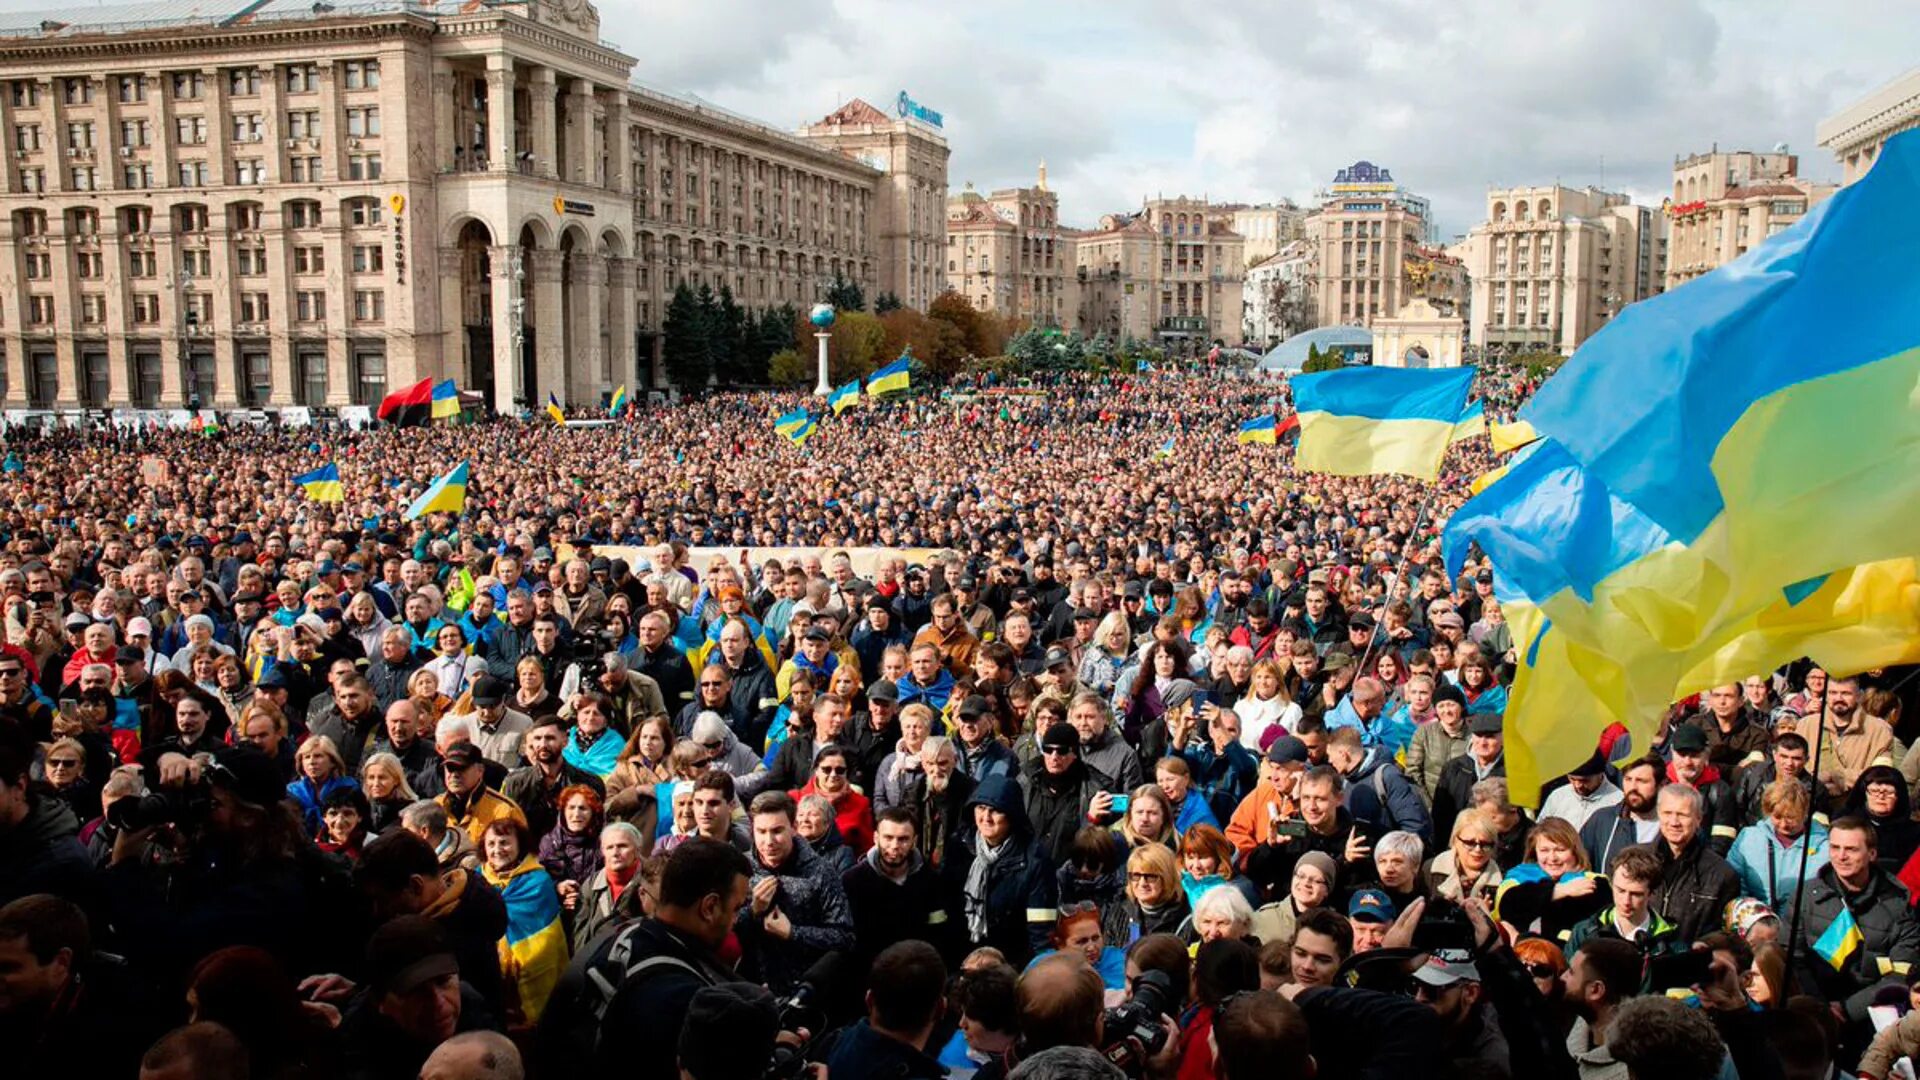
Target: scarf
point(976, 895)
point(618, 880)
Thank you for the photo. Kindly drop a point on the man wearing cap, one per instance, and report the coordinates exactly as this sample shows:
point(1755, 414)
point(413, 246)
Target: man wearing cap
point(400, 875)
point(1062, 792)
point(1485, 759)
point(499, 731)
point(470, 804)
point(874, 733)
point(1587, 790)
point(1057, 675)
point(413, 1004)
point(980, 619)
point(1371, 912)
point(1321, 693)
point(1473, 1045)
point(874, 635)
point(1690, 766)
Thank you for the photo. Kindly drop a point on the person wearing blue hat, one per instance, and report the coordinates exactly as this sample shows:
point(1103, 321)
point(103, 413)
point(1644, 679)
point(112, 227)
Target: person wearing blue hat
point(1371, 912)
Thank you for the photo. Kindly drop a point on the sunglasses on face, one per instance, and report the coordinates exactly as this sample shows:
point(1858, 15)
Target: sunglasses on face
point(1542, 971)
point(1057, 751)
point(1477, 845)
point(832, 770)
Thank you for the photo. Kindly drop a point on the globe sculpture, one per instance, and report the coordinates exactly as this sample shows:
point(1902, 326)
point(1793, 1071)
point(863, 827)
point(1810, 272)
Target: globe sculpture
point(821, 315)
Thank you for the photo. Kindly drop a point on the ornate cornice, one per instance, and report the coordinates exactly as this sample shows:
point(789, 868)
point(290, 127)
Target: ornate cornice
point(189, 40)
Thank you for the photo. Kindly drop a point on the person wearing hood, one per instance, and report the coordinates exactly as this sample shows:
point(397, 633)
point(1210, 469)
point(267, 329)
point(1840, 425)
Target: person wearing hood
point(893, 893)
point(1000, 886)
point(1062, 792)
point(879, 631)
point(1691, 766)
point(797, 910)
point(1881, 797)
point(40, 850)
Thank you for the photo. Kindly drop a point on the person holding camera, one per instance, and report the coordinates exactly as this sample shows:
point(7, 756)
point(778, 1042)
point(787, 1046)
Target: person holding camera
point(1065, 1030)
point(906, 995)
point(1323, 825)
point(631, 696)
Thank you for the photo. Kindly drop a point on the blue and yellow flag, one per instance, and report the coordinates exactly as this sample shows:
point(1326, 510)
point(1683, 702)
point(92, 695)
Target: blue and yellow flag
point(1471, 425)
point(533, 954)
point(1260, 429)
point(845, 397)
point(448, 493)
point(893, 377)
point(554, 410)
point(1656, 540)
point(792, 422)
point(446, 400)
point(1511, 436)
point(618, 403)
point(322, 485)
point(1166, 449)
point(1841, 938)
point(1366, 420)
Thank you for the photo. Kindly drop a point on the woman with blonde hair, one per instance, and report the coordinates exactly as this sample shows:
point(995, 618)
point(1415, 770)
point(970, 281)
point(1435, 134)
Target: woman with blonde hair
point(322, 771)
point(530, 694)
point(1153, 903)
point(429, 702)
point(1466, 868)
point(1106, 654)
point(384, 780)
point(1265, 706)
point(1148, 818)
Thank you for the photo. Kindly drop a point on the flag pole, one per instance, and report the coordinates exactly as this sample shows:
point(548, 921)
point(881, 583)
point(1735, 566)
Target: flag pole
point(1806, 838)
point(1406, 560)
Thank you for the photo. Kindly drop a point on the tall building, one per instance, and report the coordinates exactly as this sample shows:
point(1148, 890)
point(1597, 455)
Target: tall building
point(1360, 248)
point(234, 206)
point(1007, 253)
point(1265, 228)
point(1726, 202)
point(1278, 295)
point(1855, 134)
point(1364, 179)
point(1168, 273)
point(1550, 265)
point(910, 217)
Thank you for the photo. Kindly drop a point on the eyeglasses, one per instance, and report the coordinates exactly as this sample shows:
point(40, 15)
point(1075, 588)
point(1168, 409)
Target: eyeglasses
point(1143, 876)
point(831, 770)
point(62, 763)
point(1477, 845)
point(716, 683)
point(1057, 751)
point(1079, 906)
point(1542, 971)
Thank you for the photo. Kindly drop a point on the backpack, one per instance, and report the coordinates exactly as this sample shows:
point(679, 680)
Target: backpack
point(605, 975)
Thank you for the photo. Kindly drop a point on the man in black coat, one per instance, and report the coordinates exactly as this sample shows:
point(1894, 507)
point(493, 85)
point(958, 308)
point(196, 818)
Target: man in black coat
point(1485, 759)
point(1060, 790)
point(894, 893)
point(1696, 884)
point(1010, 902)
point(658, 658)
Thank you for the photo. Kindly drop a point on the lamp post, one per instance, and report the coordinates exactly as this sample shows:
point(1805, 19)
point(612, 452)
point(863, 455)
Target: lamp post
point(822, 319)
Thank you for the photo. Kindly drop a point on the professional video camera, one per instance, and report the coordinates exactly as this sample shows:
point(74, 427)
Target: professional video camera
point(1134, 1032)
point(188, 806)
point(804, 1010)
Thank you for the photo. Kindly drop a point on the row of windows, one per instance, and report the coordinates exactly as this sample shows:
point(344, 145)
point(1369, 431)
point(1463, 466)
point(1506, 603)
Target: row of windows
point(310, 305)
point(253, 370)
point(302, 78)
point(192, 218)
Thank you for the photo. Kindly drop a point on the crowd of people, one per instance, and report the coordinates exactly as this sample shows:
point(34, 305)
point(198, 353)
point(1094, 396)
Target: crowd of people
point(1133, 751)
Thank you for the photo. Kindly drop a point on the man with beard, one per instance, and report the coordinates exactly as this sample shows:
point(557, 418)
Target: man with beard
point(1633, 819)
point(536, 786)
point(894, 893)
point(351, 720)
point(1604, 973)
point(944, 820)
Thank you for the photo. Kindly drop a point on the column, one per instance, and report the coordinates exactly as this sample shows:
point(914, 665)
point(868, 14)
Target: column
point(619, 150)
point(540, 99)
point(66, 300)
point(453, 319)
point(579, 133)
point(586, 285)
point(160, 93)
point(280, 304)
point(274, 117)
point(620, 321)
point(550, 347)
point(113, 256)
point(500, 112)
point(506, 360)
point(448, 134)
point(219, 114)
point(217, 337)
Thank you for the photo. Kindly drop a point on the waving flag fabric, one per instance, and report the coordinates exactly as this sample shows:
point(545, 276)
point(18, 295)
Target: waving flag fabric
point(554, 410)
point(1260, 429)
point(1723, 483)
point(322, 485)
point(448, 493)
point(894, 376)
point(619, 402)
point(446, 400)
point(1473, 424)
point(409, 407)
point(845, 397)
point(1362, 421)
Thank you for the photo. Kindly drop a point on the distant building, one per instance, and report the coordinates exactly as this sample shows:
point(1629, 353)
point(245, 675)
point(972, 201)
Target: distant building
point(1265, 229)
point(1006, 252)
point(1168, 273)
point(1278, 295)
point(1855, 134)
point(1724, 203)
point(910, 219)
point(1551, 265)
point(1364, 179)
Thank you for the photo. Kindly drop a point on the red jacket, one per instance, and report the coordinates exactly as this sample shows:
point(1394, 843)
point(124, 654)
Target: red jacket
point(853, 815)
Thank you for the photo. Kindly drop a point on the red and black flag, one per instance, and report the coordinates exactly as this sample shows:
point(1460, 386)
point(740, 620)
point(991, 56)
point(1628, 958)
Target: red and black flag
point(410, 407)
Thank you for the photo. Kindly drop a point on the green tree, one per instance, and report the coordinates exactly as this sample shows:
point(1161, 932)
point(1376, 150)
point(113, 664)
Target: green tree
point(788, 368)
point(855, 350)
point(885, 302)
point(1313, 355)
point(845, 295)
point(687, 352)
point(1327, 361)
point(732, 362)
point(976, 333)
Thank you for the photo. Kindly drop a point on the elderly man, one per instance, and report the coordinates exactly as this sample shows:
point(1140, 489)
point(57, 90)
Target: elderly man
point(1361, 710)
point(658, 658)
point(389, 671)
point(1695, 883)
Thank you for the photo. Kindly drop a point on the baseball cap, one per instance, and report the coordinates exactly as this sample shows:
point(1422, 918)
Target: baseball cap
point(974, 706)
point(78, 619)
point(1360, 620)
point(1085, 615)
point(326, 567)
point(138, 626)
point(1593, 766)
point(129, 654)
point(601, 565)
point(1444, 967)
point(246, 598)
point(1336, 660)
point(1287, 748)
point(489, 691)
point(1133, 591)
point(406, 952)
point(815, 633)
point(1485, 724)
point(1371, 905)
point(460, 755)
point(1688, 739)
point(1057, 656)
point(1448, 618)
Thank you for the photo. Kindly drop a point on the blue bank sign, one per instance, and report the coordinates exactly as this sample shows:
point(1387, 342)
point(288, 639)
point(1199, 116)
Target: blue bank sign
point(907, 107)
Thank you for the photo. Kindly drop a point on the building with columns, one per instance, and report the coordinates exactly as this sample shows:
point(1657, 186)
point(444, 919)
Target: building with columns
point(285, 203)
point(1551, 265)
point(1007, 253)
point(910, 201)
point(1726, 202)
point(1855, 134)
point(1170, 274)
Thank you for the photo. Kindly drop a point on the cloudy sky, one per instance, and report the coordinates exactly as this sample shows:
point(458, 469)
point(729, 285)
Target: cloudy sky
point(1259, 99)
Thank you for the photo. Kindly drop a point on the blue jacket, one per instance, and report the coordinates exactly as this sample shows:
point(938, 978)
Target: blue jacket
point(870, 645)
point(1380, 732)
point(991, 760)
point(598, 759)
point(1224, 779)
point(936, 696)
point(1379, 793)
point(1770, 870)
point(1194, 811)
point(1491, 700)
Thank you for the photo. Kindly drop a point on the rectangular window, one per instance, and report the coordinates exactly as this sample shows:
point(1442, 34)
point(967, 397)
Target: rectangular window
point(363, 212)
point(303, 78)
point(146, 380)
point(370, 375)
point(312, 364)
point(146, 309)
point(192, 218)
point(193, 173)
point(89, 265)
point(309, 260)
point(80, 135)
point(26, 94)
point(133, 89)
point(26, 137)
point(363, 121)
point(93, 309)
point(43, 376)
point(367, 258)
point(189, 85)
point(78, 90)
point(303, 214)
point(243, 82)
point(362, 74)
point(303, 124)
point(33, 181)
point(135, 134)
point(200, 379)
point(304, 170)
point(256, 377)
point(83, 178)
point(369, 305)
point(248, 127)
point(310, 305)
point(253, 307)
point(363, 167)
point(190, 130)
point(40, 310)
point(249, 171)
point(142, 264)
point(251, 261)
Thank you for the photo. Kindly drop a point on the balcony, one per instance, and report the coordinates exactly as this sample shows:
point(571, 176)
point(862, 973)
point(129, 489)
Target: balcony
point(1184, 323)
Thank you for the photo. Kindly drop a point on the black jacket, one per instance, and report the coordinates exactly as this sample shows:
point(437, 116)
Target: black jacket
point(1454, 793)
point(1887, 928)
point(667, 666)
point(1365, 1035)
point(1020, 902)
point(1608, 831)
point(1270, 866)
point(505, 648)
point(390, 680)
point(1057, 805)
point(539, 800)
point(1751, 785)
point(43, 854)
point(862, 1053)
point(886, 911)
point(1695, 887)
point(811, 897)
point(640, 1033)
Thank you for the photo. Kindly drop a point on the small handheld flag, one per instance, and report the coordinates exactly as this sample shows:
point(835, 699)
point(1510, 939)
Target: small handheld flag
point(554, 410)
point(845, 397)
point(619, 402)
point(448, 493)
point(1842, 937)
point(1166, 449)
point(894, 376)
point(446, 400)
point(322, 485)
point(1260, 429)
point(796, 426)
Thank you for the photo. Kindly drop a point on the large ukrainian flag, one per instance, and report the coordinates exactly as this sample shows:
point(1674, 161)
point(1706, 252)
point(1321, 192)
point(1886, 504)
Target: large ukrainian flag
point(322, 485)
point(1361, 421)
point(845, 397)
point(895, 376)
point(533, 954)
point(1724, 482)
point(448, 493)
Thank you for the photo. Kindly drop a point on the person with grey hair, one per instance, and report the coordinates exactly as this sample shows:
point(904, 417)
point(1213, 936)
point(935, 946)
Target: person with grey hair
point(428, 820)
point(1397, 858)
point(392, 666)
point(474, 1055)
point(614, 893)
point(723, 751)
point(1696, 884)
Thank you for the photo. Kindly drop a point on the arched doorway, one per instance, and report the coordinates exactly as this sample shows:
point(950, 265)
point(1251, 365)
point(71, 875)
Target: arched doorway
point(475, 245)
point(530, 390)
point(1417, 357)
